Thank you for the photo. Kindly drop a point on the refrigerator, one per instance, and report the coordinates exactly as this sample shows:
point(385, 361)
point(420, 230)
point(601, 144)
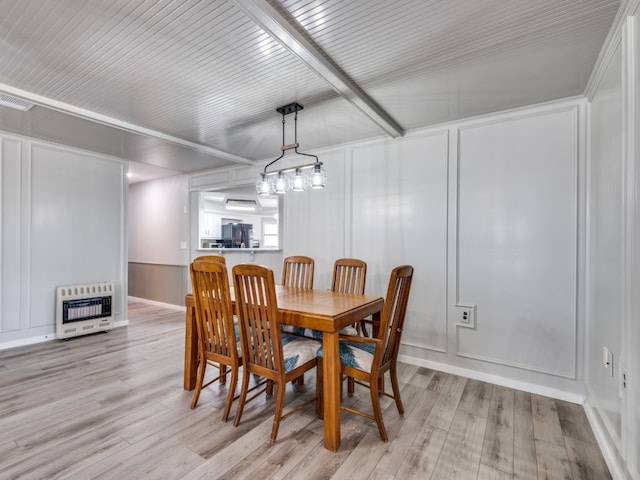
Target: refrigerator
point(237, 235)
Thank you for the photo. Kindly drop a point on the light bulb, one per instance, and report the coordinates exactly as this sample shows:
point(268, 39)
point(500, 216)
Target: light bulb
point(298, 182)
point(317, 177)
point(262, 186)
point(281, 184)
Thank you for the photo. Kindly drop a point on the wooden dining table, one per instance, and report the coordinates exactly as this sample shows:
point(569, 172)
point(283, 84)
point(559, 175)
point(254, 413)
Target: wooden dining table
point(321, 310)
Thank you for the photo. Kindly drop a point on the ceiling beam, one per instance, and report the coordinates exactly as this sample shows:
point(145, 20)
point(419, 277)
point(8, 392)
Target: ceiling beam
point(280, 28)
point(120, 124)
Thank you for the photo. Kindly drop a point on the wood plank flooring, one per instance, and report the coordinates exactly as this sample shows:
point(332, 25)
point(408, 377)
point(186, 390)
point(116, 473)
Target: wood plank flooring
point(111, 406)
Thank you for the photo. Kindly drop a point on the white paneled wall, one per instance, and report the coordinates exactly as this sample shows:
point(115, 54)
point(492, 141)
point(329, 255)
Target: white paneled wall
point(63, 221)
point(399, 203)
point(516, 240)
point(11, 282)
point(605, 243)
point(315, 221)
point(632, 330)
point(613, 250)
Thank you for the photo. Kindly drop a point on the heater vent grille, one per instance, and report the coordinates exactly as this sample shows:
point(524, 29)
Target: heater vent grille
point(83, 309)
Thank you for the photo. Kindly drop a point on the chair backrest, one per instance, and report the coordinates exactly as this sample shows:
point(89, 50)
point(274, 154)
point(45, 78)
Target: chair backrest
point(349, 275)
point(210, 258)
point(257, 309)
point(213, 308)
point(298, 272)
point(393, 312)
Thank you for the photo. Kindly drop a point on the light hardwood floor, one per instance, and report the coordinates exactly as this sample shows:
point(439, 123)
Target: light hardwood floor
point(111, 405)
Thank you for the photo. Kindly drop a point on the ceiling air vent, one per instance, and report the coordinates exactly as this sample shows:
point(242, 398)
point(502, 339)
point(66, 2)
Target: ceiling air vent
point(16, 103)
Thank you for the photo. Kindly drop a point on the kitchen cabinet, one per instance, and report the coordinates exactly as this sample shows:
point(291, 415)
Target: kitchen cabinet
point(210, 225)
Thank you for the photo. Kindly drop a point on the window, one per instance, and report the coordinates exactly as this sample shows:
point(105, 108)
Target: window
point(270, 234)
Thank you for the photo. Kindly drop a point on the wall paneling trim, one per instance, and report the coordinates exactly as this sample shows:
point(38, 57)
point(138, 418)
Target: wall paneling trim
point(517, 240)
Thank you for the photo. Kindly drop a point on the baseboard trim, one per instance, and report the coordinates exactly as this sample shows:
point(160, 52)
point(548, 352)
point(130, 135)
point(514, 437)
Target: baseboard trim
point(27, 341)
point(23, 342)
point(496, 380)
point(609, 451)
point(180, 308)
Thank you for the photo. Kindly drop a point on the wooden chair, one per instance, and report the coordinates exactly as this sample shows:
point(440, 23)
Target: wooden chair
point(221, 259)
point(298, 272)
point(217, 344)
point(368, 359)
point(349, 276)
point(267, 352)
point(210, 258)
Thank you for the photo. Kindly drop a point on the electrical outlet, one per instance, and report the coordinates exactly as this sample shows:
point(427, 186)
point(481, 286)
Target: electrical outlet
point(607, 360)
point(466, 315)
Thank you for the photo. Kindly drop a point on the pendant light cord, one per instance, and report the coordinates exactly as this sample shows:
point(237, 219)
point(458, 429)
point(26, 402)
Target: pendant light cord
point(295, 139)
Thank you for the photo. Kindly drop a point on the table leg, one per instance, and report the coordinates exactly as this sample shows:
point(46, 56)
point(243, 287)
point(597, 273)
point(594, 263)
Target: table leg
point(190, 346)
point(331, 390)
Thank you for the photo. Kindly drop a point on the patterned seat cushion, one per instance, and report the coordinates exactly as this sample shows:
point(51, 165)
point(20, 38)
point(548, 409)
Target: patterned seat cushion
point(353, 331)
point(297, 350)
point(355, 355)
point(302, 332)
point(315, 334)
point(237, 330)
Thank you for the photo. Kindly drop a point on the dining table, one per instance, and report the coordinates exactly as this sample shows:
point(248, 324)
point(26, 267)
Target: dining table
point(321, 310)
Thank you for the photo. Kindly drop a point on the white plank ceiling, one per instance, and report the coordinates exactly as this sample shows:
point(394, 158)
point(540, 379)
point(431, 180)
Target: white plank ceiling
point(193, 85)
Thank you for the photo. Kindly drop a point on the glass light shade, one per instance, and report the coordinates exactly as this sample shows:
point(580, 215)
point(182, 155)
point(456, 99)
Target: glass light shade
point(317, 177)
point(262, 185)
point(281, 183)
point(298, 181)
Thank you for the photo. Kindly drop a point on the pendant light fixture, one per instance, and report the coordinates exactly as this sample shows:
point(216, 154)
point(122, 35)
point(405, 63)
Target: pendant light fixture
point(295, 178)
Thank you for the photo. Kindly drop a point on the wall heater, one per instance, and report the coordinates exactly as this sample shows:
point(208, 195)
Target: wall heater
point(84, 309)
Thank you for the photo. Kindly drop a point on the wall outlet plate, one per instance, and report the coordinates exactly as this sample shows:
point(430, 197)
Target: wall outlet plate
point(607, 360)
point(465, 315)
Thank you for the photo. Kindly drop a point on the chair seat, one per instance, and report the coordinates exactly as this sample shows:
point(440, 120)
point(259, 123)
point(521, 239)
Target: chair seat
point(298, 351)
point(355, 355)
point(315, 334)
point(236, 329)
point(302, 332)
point(350, 330)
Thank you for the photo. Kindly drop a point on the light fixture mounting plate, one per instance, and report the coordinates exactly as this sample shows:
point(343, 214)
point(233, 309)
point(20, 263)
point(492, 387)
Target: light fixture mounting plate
point(290, 108)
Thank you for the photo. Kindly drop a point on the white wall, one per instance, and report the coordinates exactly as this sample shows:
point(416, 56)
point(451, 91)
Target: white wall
point(613, 246)
point(63, 222)
point(631, 328)
point(159, 221)
point(605, 236)
point(159, 239)
point(315, 221)
point(399, 196)
point(516, 246)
